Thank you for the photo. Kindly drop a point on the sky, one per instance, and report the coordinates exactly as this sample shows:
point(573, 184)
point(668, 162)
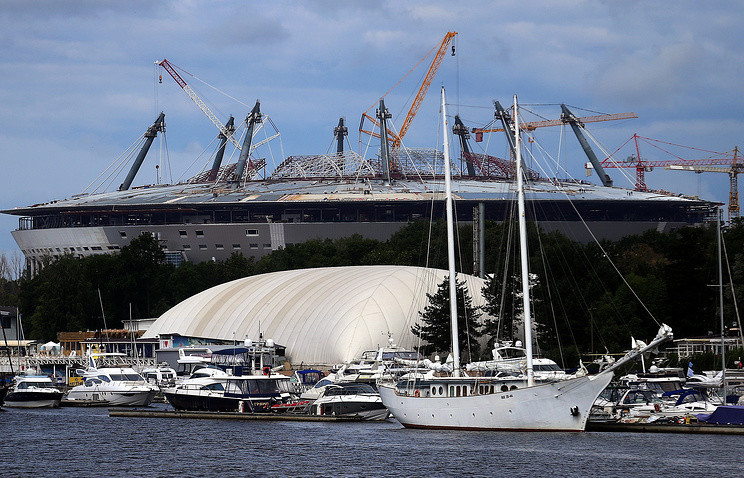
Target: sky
point(78, 83)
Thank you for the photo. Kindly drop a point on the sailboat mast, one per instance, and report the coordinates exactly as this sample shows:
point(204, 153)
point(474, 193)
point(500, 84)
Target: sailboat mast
point(450, 244)
point(523, 249)
point(720, 295)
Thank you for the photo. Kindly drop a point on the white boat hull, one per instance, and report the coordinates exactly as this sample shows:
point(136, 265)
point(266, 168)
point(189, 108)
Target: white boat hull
point(552, 406)
point(131, 398)
point(48, 403)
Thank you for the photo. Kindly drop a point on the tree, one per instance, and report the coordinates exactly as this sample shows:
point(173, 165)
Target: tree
point(435, 322)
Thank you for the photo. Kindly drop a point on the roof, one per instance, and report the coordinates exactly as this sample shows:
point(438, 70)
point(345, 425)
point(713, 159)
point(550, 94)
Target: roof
point(332, 190)
point(323, 316)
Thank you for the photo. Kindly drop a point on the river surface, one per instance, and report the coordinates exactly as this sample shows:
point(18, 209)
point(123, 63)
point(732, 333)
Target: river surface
point(87, 442)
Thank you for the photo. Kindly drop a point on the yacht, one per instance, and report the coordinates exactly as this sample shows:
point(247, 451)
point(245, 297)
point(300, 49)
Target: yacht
point(33, 391)
point(237, 379)
point(110, 381)
point(356, 400)
point(459, 401)
point(217, 391)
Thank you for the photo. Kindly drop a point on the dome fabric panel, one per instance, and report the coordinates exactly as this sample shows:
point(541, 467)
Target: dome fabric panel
point(323, 316)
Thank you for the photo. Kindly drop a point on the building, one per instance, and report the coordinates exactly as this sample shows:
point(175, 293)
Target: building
point(200, 221)
point(322, 316)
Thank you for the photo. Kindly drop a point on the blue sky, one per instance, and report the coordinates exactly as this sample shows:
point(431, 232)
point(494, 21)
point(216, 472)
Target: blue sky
point(78, 81)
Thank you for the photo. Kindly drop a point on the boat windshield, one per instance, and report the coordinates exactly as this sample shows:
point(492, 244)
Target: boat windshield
point(640, 396)
point(350, 389)
point(251, 386)
point(126, 377)
point(39, 384)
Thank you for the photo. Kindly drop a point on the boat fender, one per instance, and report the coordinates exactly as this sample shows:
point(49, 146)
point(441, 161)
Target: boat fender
point(416, 394)
point(267, 370)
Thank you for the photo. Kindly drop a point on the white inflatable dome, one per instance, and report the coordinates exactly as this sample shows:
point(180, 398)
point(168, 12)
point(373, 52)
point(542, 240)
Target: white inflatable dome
point(323, 316)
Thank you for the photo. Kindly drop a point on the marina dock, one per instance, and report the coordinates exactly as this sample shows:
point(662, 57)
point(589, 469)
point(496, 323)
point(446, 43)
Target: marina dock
point(695, 428)
point(290, 417)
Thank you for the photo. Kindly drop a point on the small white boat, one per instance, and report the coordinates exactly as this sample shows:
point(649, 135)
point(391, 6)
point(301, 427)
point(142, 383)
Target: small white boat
point(109, 380)
point(357, 400)
point(33, 391)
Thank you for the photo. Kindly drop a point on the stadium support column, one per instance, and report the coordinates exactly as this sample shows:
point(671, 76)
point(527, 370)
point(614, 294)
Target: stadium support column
point(383, 115)
point(460, 130)
point(230, 128)
point(152, 131)
point(339, 132)
point(576, 126)
point(479, 240)
point(251, 120)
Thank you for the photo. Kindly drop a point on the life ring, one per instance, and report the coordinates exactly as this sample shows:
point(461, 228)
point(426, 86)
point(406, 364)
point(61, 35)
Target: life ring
point(267, 370)
point(416, 394)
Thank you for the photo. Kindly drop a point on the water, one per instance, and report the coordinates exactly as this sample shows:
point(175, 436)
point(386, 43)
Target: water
point(87, 442)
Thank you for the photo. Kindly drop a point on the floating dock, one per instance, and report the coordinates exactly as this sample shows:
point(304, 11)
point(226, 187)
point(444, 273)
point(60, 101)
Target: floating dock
point(290, 417)
point(696, 428)
point(84, 403)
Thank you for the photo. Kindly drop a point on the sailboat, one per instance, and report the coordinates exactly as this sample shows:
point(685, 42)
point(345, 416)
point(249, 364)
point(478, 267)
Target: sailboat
point(462, 402)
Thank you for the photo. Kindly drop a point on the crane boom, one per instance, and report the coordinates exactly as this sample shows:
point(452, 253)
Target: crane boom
point(424, 88)
point(202, 106)
point(533, 125)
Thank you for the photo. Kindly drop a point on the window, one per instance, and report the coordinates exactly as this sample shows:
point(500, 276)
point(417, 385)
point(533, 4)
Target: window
point(85, 248)
point(182, 233)
point(186, 247)
point(202, 247)
point(236, 246)
point(122, 234)
point(219, 247)
point(199, 233)
point(267, 246)
point(251, 232)
point(254, 245)
point(96, 248)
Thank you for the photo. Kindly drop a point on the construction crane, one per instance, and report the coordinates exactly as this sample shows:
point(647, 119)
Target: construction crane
point(202, 106)
point(533, 125)
point(733, 171)
point(721, 163)
point(226, 131)
point(396, 139)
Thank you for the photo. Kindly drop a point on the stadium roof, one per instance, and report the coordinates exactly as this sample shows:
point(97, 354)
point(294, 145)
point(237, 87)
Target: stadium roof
point(323, 316)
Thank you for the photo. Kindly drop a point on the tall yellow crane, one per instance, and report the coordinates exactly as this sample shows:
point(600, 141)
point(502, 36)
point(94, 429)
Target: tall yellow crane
point(423, 89)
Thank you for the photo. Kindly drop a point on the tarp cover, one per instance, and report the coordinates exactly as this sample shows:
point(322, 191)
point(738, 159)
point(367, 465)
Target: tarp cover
point(725, 415)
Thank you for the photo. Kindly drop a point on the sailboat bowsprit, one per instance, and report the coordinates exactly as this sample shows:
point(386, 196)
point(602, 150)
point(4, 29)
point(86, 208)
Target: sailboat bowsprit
point(499, 403)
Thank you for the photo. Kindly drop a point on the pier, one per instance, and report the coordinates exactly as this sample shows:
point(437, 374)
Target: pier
point(287, 417)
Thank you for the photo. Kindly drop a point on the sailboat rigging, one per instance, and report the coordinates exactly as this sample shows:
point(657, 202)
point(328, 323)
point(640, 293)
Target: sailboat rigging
point(504, 401)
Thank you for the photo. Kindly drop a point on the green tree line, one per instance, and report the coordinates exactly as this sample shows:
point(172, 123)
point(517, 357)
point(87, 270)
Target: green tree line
point(580, 301)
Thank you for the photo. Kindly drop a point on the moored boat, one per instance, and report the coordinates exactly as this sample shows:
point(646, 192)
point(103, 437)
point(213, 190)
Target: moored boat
point(33, 391)
point(110, 381)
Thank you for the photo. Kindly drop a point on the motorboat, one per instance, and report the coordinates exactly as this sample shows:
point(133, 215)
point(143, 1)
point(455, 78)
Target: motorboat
point(357, 400)
point(237, 379)
point(110, 381)
point(161, 376)
point(222, 392)
point(511, 358)
point(33, 391)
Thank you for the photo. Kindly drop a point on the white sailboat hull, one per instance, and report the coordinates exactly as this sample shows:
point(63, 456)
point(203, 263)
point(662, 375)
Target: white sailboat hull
point(552, 406)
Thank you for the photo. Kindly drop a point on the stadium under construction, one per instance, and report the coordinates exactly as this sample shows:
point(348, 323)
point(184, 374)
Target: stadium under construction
point(229, 208)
